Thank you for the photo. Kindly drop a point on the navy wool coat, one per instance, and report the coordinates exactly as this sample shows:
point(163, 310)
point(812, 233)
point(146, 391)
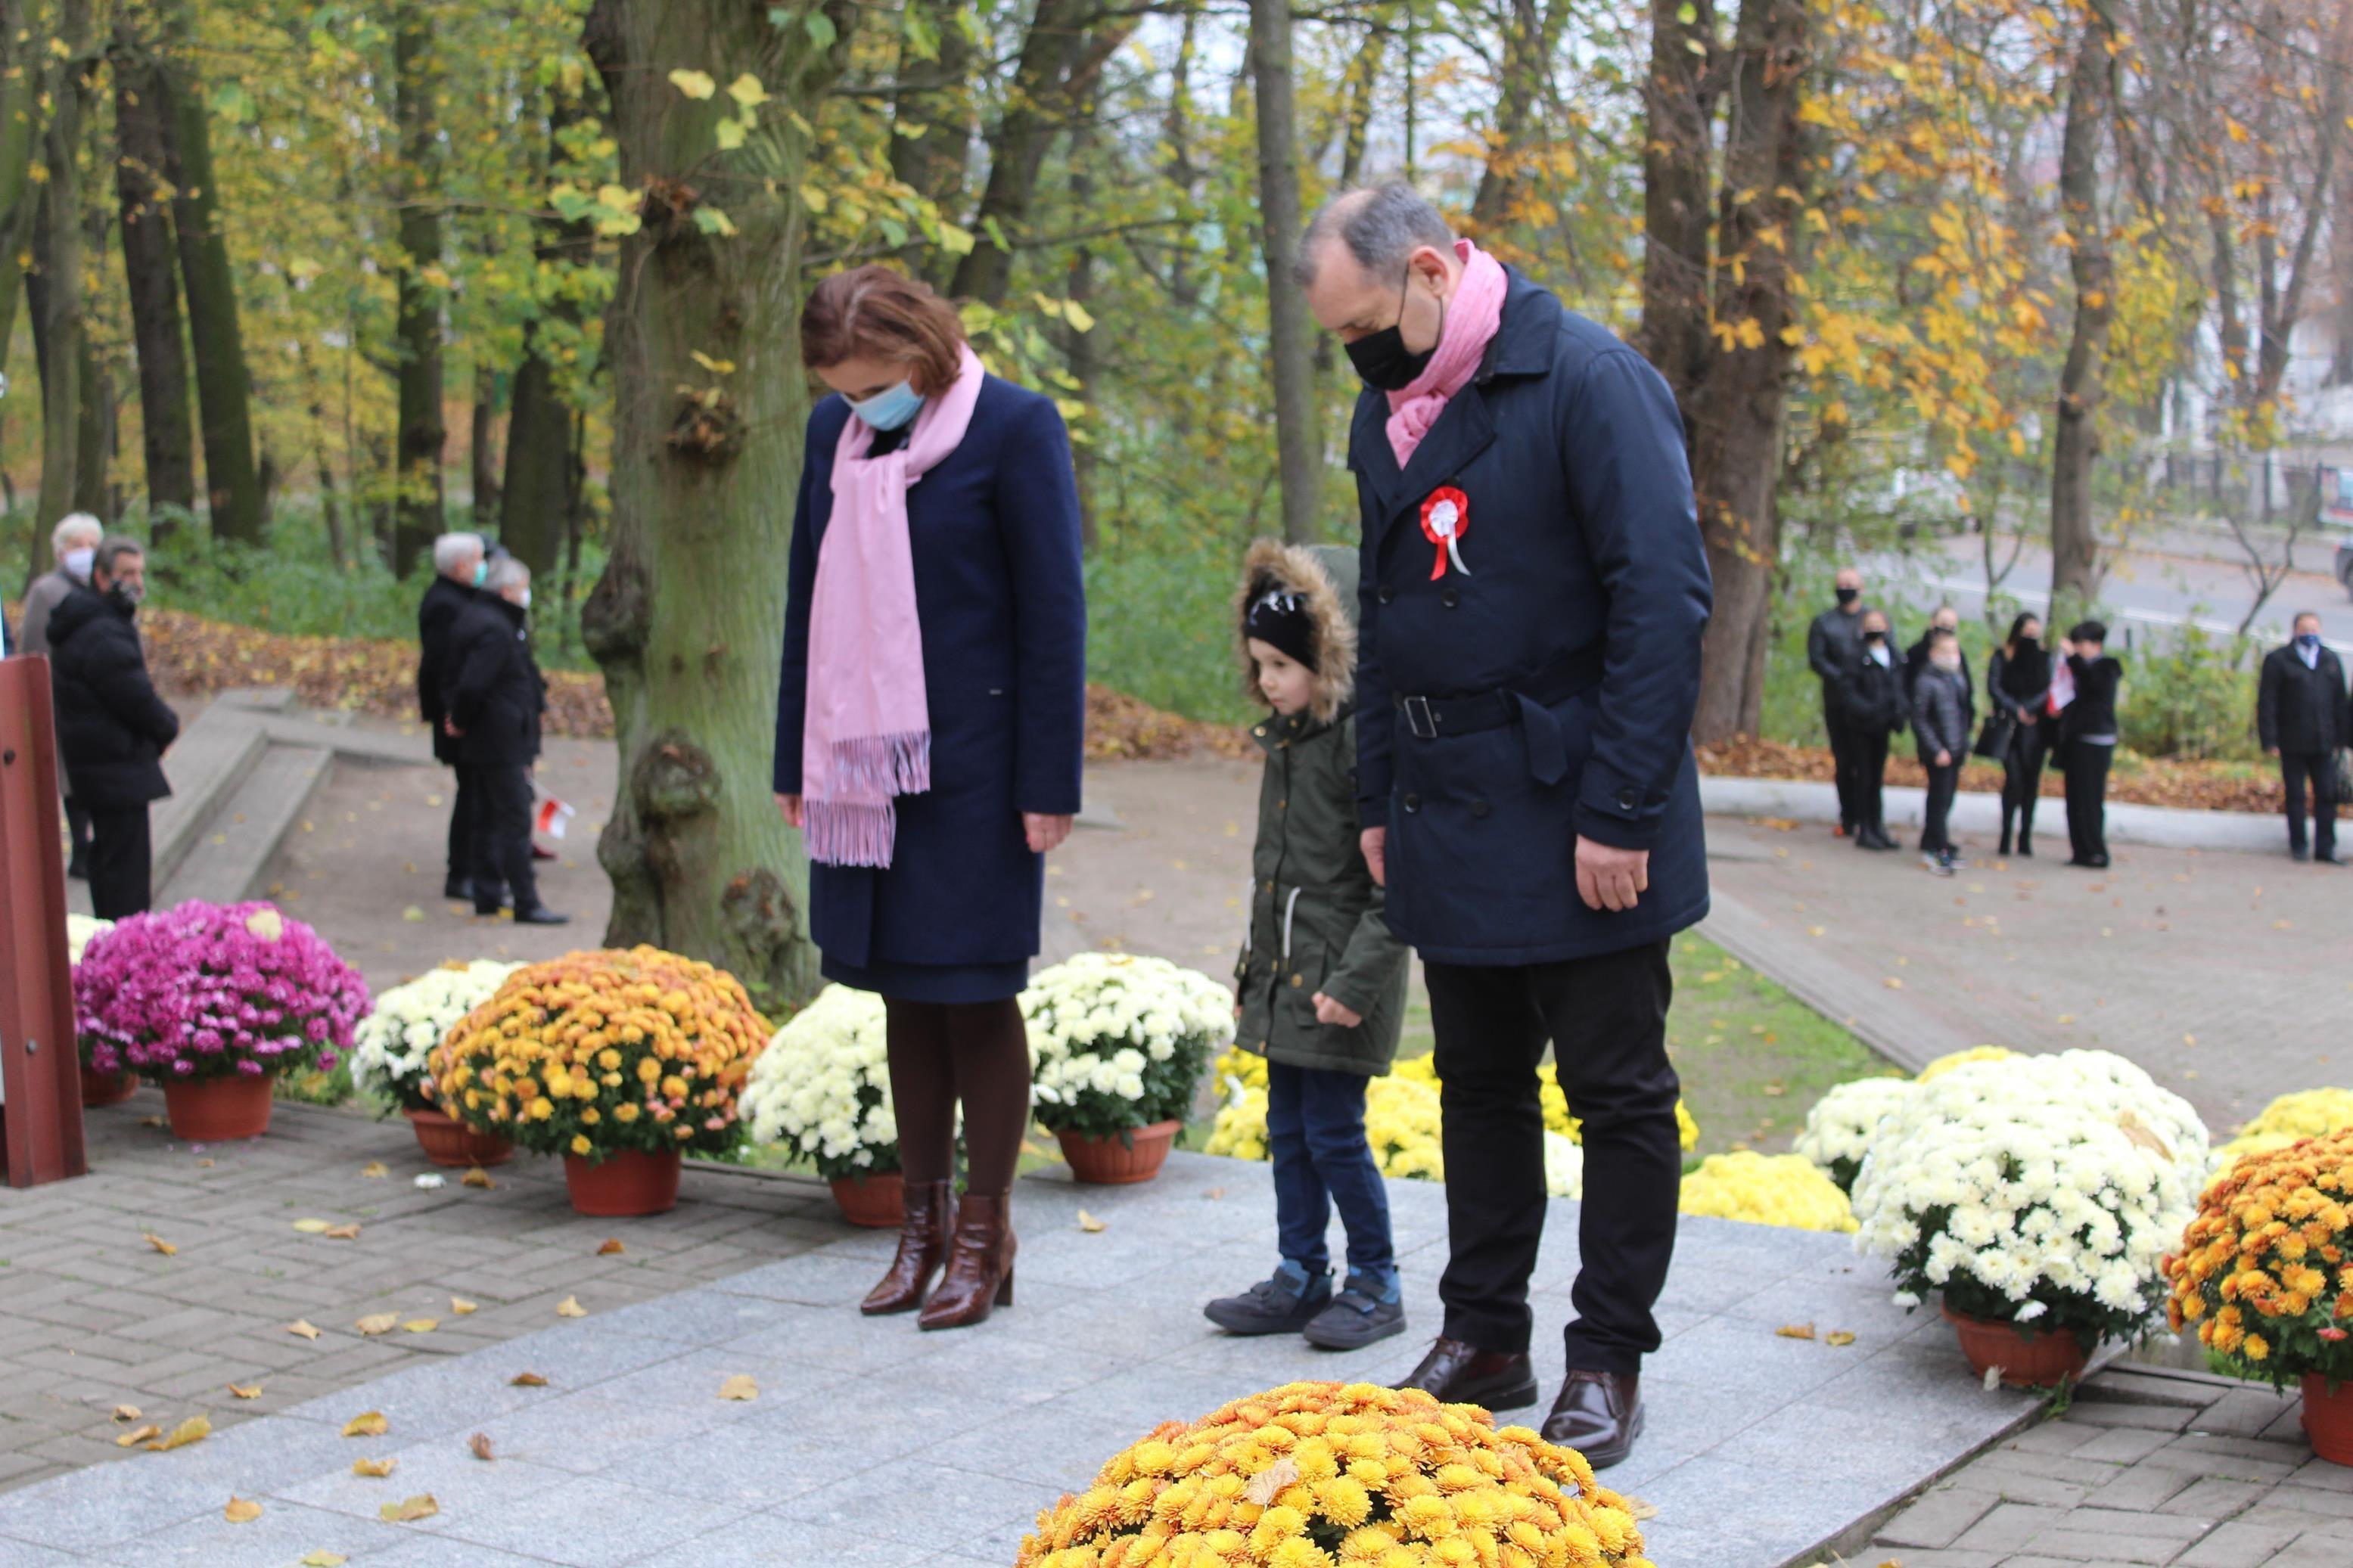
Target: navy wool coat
point(1582, 546)
point(1001, 606)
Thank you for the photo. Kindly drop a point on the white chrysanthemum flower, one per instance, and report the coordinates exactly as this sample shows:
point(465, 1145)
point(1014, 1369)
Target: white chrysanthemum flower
point(392, 1048)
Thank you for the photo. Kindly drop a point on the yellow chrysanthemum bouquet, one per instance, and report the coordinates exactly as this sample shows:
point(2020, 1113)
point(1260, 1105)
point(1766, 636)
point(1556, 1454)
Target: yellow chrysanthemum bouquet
point(2263, 1270)
point(1313, 1475)
point(2290, 1119)
point(599, 1052)
point(1786, 1189)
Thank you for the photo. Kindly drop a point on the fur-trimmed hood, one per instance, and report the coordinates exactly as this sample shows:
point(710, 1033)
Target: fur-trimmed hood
point(1309, 573)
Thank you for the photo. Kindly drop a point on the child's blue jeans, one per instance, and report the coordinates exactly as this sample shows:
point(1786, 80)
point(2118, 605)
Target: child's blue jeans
point(1315, 1136)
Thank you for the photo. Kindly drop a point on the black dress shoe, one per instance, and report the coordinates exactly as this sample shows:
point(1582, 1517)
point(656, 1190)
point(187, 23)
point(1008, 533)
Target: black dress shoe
point(541, 915)
point(1599, 1414)
point(2299, 852)
point(2328, 859)
point(458, 887)
point(1461, 1374)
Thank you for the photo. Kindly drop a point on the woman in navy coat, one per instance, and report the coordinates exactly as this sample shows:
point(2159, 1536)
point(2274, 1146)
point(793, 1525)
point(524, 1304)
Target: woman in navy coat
point(945, 928)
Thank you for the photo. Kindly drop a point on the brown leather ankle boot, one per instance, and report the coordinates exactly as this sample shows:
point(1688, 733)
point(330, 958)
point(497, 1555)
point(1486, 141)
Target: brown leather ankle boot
point(980, 1265)
point(923, 1247)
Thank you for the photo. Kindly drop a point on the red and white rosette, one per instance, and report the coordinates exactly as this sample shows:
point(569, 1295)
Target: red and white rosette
point(1445, 519)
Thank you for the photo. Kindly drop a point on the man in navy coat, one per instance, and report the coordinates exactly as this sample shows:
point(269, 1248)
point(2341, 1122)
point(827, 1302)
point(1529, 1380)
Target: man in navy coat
point(1526, 782)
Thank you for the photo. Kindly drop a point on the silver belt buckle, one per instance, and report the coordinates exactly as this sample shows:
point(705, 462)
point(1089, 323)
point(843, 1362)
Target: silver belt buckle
point(1419, 719)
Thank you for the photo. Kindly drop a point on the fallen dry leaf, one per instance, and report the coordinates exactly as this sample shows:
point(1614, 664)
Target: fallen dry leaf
point(341, 1233)
point(1214, 1193)
point(1268, 1484)
point(1796, 1330)
point(245, 1390)
point(195, 1429)
point(160, 1245)
point(137, 1436)
point(375, 1470)
point(421, 1505)
point(312, 1226)
point(204, 1164)
point(151, 1122)
point(323, 1558)
point(1893, 984)
point(375, 1170)
point(367, 1424)
point(570, 1307)
point(1640, 1509)
point(527, 1380)
point(2139, 1132)
point(420, 1325)
point(378, 1323)
point(460, 1306)
point(126, 1412)
point(476, 1176)
point(612, 1247)
point(1992, 1379)
point(241, 1511)
point(478, 1445)
point(302, 1326)
point(1088, 1222)
point(743, 1385)
point(1838, 1337)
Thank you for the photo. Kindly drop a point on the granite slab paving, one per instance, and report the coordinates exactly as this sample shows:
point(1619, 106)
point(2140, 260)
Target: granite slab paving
point(873, 1443)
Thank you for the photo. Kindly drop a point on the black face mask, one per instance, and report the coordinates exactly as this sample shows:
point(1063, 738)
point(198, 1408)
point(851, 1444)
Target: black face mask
point(1381, 358)
point(2028, 645)
point(118, 595)
point(1849, 596)
point(1874, 637)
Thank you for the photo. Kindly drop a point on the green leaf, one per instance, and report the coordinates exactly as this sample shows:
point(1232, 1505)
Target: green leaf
point(730, 136)
point(955, 241)
point(1687, 14)
point(813, 199)
point(710, 220)
point(894, 231)
point(1080, 320)
point(746, 90)
point(696, 85)
point(821, 31)
point(1694, 45)
point(570, 205)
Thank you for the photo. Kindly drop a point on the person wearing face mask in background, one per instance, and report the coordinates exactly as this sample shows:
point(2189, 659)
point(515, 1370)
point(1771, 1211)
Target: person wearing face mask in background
point(491, 700)
point(74, 542)
point(1915, 658)
point(1870, 701)
point(113, 729)
point(1942, 714)
point(459, 570)
point(2018, 729)
point(2087, 738)
point(1833, 644)
point(2302, 716)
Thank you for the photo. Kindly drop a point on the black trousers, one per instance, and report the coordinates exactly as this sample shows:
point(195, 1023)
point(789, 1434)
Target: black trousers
point(1607, 1019)
point(2296, 767)
point(1869, 753)
point(501, 812)
point(1845, 765)
point(2022, 775)
point(121, 864)
point(1943, 783)
point(78, 835)
point(2088, 798)
point(462, 834)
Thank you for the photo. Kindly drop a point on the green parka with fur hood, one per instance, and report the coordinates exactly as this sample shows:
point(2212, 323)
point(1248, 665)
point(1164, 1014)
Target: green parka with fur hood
point(1315, 921)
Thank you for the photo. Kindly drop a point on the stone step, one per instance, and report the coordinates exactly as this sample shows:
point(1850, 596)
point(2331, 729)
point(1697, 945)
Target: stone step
point(204, 765)
point(225, 863)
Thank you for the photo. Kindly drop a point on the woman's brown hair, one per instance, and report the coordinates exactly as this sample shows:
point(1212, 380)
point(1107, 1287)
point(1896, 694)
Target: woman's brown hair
point(872, 311)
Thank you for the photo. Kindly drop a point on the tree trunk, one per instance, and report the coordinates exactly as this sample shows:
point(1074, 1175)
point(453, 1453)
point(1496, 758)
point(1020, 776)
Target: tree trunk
point(2091, 94)
point(540, 455)
point(1736, 409)
point(935, 95)
point(689, 616)
point(1298, 445)
point(57, 250)
point(1084, 362)
point(1680, 107)
point(330, 504)
point(418, 506)
point(152, 279)
point(483, 445)
point(27, 74)
point(1518, 99)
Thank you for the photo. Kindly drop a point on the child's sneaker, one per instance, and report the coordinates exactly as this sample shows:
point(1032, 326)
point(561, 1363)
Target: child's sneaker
point(1283, 1304)
point(1358, 1316)
point(1937, 864)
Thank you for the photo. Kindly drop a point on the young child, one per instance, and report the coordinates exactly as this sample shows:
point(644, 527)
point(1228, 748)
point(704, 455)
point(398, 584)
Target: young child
point(1321, 982)
point(1941, 718)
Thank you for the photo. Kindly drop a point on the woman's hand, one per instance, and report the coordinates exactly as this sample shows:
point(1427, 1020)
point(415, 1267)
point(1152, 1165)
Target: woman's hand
point(1944, 758)
point(1330, 1012)
point(1045, 833)
point(790, 806)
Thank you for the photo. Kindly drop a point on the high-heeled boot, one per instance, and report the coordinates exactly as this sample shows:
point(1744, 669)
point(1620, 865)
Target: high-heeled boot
point(2006, 815)
point(923, 1247)
point(2026, 828)
point(980, 1264)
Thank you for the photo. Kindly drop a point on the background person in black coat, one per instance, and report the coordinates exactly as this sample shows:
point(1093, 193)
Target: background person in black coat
point(113, 729)
point(2019, 726)
point(1833, 644)
point(1946, 619)
point(491, 701)
point(2087, 741)
point(1872, 702)
point(457, 572)
point(2301, 716)
point(1942, 714)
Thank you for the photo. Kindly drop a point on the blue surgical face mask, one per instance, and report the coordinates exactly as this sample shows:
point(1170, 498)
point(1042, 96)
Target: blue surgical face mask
point(2308, 640)
point(890, 409)
point(481, 572)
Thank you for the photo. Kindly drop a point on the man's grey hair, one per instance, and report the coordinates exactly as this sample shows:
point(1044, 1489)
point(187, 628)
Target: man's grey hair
point(75, 529)
point(506, 573)
point(452, 548)
point(1380, 224)
point(114, 548)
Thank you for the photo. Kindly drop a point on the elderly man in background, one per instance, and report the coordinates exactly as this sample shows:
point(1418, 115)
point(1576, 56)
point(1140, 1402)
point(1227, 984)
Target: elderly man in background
point(2302, 717)
point(74, 544)
point(458, 571)
point(113, 729)
point(491, 698)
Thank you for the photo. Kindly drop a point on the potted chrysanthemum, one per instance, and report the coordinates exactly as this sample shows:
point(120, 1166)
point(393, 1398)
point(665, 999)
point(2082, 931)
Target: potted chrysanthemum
point(622, 1061)
point(2262, 1272)
point(392, 1054)
point(1843, 1122)
point(822, 1091)
point(1117, 1046)
point(99, 1086)
point(2038, 1195)
point(212, 1002)
point(1785, 1190)
point(1319, 1472)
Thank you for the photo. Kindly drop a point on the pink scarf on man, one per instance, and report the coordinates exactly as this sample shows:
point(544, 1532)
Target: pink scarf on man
point(866, 733)
point(1472, 318)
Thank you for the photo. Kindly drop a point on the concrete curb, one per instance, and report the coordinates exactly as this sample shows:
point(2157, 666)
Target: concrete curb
point(2164, 828)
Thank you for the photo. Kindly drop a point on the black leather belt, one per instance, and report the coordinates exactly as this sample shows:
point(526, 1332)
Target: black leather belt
point(1428, 718)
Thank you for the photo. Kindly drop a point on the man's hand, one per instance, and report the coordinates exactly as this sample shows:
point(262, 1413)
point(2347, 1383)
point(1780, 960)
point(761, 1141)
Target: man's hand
point(1610, 877)
point(1944, 758)
point(790, 805)
point(1330, 1012)
point(2271, 751)
point(449, 728)
point(1375, 842)
point(1045, 833)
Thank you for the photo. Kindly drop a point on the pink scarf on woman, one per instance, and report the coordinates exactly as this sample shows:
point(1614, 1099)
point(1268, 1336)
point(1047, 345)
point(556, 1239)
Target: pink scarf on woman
point(867, 734)
point(1472, 318)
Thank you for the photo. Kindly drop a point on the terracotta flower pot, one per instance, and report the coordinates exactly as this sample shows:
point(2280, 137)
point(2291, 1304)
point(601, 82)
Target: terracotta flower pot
point(215, 1110)
point(1108, 1162)
point(2037, 1362)
point(107, 1089)
point(2328, 1418)
point(626, 1183)
point(449, 1141)
point(877, 1200)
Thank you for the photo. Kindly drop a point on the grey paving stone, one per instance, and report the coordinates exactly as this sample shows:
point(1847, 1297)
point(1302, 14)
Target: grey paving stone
point(2240, 1413)
point(2324, 1475)
point(1952, 1559)
point(922, 1505)
point(2122, 1444)
point(2009, 1526)
point(2140, 1487)
point(2237, 1544)
point(1938, 1518)
point(2163, 1526)
point(603, 1526)
point(64, 1512)
point(2217, 1498)
point(765, 1540)
point(2104, 1546)
point(443, 1466)
point(2310, 1553)
point(283, 1534)
point(2150, 1418)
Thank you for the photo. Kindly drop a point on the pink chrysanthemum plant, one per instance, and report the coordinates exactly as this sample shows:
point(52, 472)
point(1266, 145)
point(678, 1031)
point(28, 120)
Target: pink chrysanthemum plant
point(213, 991)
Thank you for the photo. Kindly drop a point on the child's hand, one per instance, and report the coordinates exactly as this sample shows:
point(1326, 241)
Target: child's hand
point(1330, 1012)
